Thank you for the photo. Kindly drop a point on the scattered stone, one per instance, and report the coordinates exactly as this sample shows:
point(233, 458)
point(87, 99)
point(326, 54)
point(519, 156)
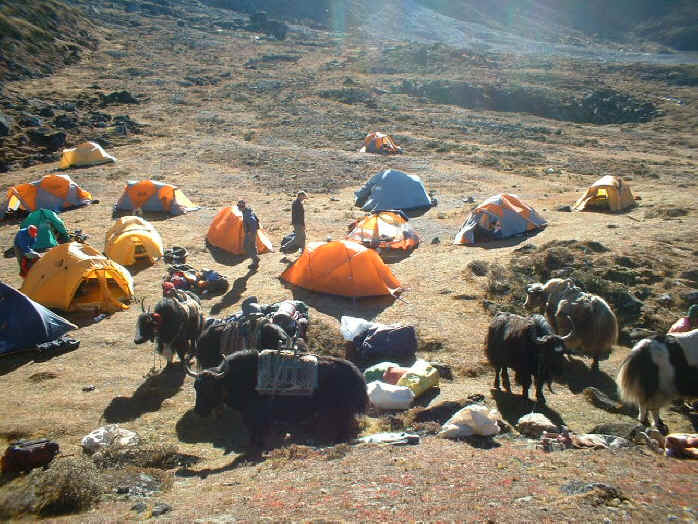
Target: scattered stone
point(443, 369)
point(4, 125)
point(534, 424)
point(86, 389)
point(435, 240)
point(139, 507)
point(44, 137)
point(628, 304)
point(46, 111)
point(527, 498)
point(629, 335)
point(691, 274)
point(65, 121)
point(29, 120)
point(564, 209)
point(118, 97)
point(122, 490)
point(441, 215)
point(550, 171)
point(626, 430)
point(612, 226)
point(161, 509)
point(469, 200)
point(690, 297)
point(665, 299)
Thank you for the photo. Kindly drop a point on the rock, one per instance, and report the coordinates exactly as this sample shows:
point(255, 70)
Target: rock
point(65, 121)
point(67, 106)
point(435, 240)
point(629, 304)
point(690, 297)
point(630, 336)
point(29, 120)
point(46, 111)
point(534, 424)
point(564, 209)
point(4, 125)
point(43, 137)
point(550, 171)
point(469, 200)
point(443, 369)
point(122, 490)
point(161, 509)
point(665, 299)
point(626, 430)
point(139, 507)
point(118, 97)
point(691, 274)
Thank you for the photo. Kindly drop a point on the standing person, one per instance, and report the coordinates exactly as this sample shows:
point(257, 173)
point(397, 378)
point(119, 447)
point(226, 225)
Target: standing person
point(298, 219)
point(25, 240)
point(687, 323)
point(250, 224)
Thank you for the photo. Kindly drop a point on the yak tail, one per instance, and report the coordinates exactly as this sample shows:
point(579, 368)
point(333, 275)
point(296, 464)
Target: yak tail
point(637, 377)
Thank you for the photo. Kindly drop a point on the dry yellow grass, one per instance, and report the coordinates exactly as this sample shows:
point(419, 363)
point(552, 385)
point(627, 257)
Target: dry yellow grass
point(261, 134)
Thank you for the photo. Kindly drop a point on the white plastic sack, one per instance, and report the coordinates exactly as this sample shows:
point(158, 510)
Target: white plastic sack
point(475, 419)
point(388, 396)
point(351, 327)
point(106, 436)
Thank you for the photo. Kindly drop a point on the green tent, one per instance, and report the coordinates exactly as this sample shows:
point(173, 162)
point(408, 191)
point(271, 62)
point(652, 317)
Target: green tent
point(51, 228)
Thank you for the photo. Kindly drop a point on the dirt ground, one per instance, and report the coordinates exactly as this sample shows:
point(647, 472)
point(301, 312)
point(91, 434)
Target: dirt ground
point(225, 118)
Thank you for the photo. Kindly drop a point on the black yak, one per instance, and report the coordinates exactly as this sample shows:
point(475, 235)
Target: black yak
point(528, 346)
point(339, 397)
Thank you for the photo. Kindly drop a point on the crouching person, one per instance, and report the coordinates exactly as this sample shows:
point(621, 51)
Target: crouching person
point(25, 240)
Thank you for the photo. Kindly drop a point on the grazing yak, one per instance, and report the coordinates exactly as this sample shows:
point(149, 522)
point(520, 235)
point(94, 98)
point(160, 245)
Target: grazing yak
point(340, 396)
point(174, 325)
point(658, 370)
point(528, 346)
point(596, 327)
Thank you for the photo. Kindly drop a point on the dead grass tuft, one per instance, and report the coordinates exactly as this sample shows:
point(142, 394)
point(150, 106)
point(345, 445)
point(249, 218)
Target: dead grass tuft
point(160, 456)
point(325, 339)
point(478, 268)
point(666, 212)
point(67, 486)
point(41, 376)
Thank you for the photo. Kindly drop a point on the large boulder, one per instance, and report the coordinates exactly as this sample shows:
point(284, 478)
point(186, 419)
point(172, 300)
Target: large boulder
point(46, 138)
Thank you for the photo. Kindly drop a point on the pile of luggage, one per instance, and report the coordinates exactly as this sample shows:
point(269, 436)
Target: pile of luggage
point(201, 282)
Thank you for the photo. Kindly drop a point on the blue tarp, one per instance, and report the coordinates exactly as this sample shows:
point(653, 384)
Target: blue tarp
point(25, 323)
point(392, 189)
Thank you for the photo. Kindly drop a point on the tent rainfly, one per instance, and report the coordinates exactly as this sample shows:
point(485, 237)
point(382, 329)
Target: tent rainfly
point(342, 268)
point(25, 323)
point(392, 189)
point(155, 197)
point(499, 216)
point(77, 277)
point(380, 143)
point(131, 239)
point(226, 232)
point(385, 230)
point(86, 154)
point(55, 192)
point(608, 193)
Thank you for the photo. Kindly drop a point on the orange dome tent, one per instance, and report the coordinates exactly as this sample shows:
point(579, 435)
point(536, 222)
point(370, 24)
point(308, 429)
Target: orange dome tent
point(74, 277)
point(342, 268)
point(385, 229)
point(226, 232)
point(152, 196)
point(55, 192)
point(380, 143)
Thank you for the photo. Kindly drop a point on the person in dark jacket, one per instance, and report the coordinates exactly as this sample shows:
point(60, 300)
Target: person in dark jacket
point(25, 239)
point(250, 224)
point(298, 219)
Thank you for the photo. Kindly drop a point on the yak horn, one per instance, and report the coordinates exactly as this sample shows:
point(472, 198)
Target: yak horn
point(143, 304)
point(188, 369)
point(572, 330)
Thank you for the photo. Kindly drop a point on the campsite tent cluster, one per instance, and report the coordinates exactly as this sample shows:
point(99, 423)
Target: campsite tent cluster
point(73, 276)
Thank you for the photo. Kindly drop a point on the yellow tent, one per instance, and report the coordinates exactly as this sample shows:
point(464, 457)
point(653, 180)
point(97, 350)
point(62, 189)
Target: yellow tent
point(86, 154)
point(76, 277)
point(609, 192)
point(131, 239)
point(384, 229)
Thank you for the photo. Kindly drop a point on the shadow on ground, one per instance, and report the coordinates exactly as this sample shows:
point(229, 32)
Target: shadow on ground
point(13, 361)
point(225, 431)
point(337, 306)
point(578, 376)
point(148, 397)
point(513, 407)
point(224, 257)
point(234, 294)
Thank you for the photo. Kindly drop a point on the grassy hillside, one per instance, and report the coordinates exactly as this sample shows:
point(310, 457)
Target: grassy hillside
point(39, 36)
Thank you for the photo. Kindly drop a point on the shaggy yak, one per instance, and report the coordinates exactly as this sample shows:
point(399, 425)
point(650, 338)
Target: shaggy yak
point(596, 327)
point(529, 347)
point(658, 370)
point(332, 409)
point(174, 324)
